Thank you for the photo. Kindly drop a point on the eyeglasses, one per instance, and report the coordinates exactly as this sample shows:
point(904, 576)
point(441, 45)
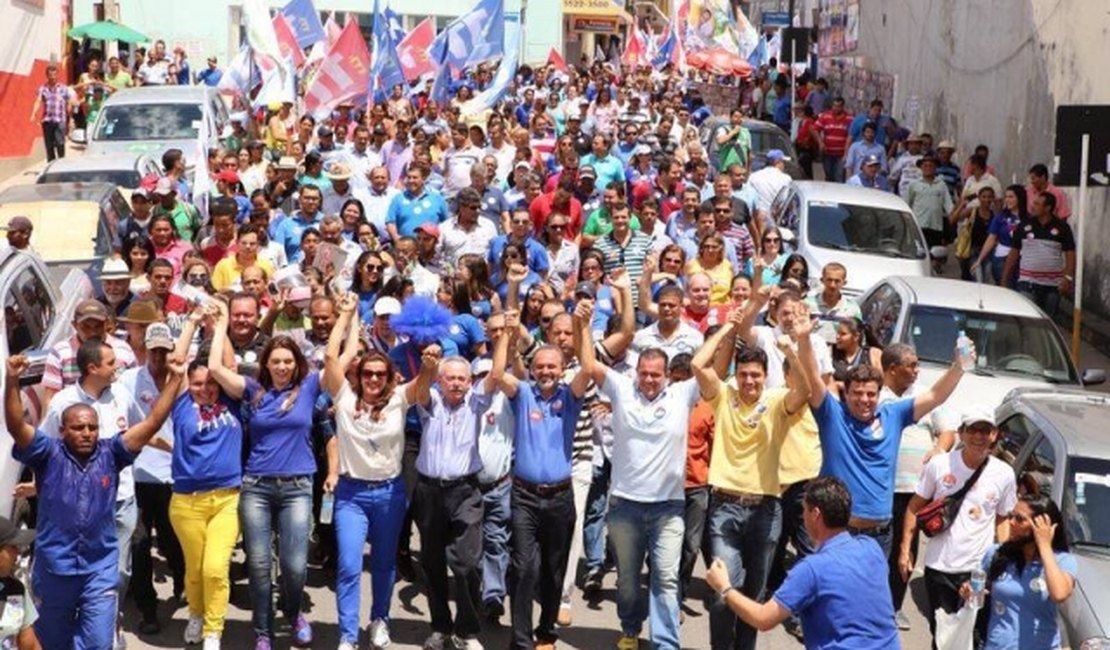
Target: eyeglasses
point(768, 240)
point(723, 211)
point(521, 222)
point(373, 374)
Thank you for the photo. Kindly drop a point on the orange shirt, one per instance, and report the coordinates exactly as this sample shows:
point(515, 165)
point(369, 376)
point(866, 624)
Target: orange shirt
point(699, 442)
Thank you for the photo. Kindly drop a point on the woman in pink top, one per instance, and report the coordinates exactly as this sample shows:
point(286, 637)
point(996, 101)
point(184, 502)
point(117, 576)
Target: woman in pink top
point(166, 244)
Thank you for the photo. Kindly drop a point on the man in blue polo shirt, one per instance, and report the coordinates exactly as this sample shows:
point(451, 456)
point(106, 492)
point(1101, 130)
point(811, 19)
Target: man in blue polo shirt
point(415, 206)
point(839, 592)
point(288, 231)
point(543, 513)
point(860, 439)
point(76, 550)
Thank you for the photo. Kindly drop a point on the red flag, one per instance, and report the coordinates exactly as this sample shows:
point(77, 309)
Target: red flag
point(287, 41)
point(556, 59)
point(344, 73)
point(413, 50)
point(333, 30)
point(635, 50)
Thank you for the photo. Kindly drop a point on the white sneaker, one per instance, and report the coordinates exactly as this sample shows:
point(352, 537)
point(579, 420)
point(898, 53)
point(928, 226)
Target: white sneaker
point(437, 641)
point(347, 645)
point(468, 644)
point(119, 643)
point(211, 642)
point(379, 635)
point(193, 630)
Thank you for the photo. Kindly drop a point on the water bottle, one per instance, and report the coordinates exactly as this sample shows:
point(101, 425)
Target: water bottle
point(963, 350)
point(327, 506)
point(978, 583)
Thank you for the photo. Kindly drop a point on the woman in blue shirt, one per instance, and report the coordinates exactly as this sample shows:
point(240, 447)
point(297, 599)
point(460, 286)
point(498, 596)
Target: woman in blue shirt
point(1000, 234)
point(473, 270)
point(465, 330)
point(277, 477)
point(367, 283)
point(512, 255)
point(1027, 577)
point(771, 260)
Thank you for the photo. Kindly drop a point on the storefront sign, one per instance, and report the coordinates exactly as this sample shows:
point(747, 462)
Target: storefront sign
point(596, 24)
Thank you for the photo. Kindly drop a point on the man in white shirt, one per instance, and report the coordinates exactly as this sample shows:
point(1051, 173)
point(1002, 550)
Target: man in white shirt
point(468, 232)
point(767, 182)
point(766, 337)
point(458, 160)
point(360, 158)
point(669, 334)
point(378, 197)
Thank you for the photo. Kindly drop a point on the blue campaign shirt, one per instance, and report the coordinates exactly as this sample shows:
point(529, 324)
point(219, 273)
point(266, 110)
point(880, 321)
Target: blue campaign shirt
point(609, 169)
point(855, 129)
point(544, 433)
point(502, 286)
point(208, 443)
point(877, 183)
point(861, 150)
point(842, 596)
point(281, 439)
point(1022, 613)
point(1002, 225)
point(288, 231)
point(466, 332)
point(538, 260)
point(863, 454)
point(408, 212)
point(76, 528)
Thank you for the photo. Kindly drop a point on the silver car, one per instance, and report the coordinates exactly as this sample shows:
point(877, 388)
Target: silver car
point(1056, 442)
point(125, 170)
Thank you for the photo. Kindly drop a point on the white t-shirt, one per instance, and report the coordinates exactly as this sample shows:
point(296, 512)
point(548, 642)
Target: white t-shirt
point(962, 546)
point(649, 439)
point(370, 450)
point(765, 339)
point(685, 339)
point(152, 465)
point(454, 241)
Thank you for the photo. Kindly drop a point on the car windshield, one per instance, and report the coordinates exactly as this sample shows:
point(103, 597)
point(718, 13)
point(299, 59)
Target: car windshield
point(864, 229)
point(132, 122)
point(1086, 494)
point(764, 141)
point(1005, 344)
point(119, 177)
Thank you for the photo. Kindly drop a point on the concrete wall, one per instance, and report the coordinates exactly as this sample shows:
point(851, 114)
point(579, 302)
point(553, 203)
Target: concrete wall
point(994, 73)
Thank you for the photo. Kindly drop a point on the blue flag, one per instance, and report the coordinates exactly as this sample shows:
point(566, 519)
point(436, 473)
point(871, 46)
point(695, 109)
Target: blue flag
point(489, 97)
point(305, 21)
point(396, 27)
point(474, 37)
point(663, 54)
point(385, 69)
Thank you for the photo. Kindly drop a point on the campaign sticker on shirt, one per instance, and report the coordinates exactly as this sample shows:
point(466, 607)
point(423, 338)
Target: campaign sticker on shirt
point(250, 357)
point(949, 480)
point(417, 210)
point(877, 429)
point(1054, 232)
point(491, 418)
point(536, 415)
point(105, 482)
point(121, 423)
point(147, 397)
point(557, 406)
point(491, 201)
point(1038, 584)
point(660, 412)
point(454, 329)
point(427, 205)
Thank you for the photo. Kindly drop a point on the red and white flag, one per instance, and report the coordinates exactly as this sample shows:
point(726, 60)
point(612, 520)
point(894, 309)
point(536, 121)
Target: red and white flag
point(332, 29)
point(287, 41)
point(344, 74)
point(636, 49)
point(557, 60)
point(413, 51)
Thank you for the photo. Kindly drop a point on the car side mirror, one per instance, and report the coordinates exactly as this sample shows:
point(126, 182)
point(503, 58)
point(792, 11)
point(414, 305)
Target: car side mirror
point(939, 253)
point(36, 367)
point(1093, 377)
point(79, 136)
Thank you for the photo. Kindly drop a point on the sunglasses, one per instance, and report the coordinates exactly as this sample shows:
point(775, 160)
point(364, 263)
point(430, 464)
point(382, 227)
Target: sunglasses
point(521, 222)
point(373, 267)
point(373, 374)
point(722, 210)
point(767, 240)
point(557, 226)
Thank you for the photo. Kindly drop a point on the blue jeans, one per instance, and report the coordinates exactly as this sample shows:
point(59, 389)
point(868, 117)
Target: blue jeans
point(593, 528)
point(653, 529)
point(76, 612)
point(883, 534)
point(834, 168)
point(282, 505)
point(366, 512)
point(744, 538)
point(496, 525)
point(1045, 297)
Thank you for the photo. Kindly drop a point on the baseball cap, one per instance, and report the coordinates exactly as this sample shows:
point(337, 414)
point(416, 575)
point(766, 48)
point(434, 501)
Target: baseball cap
point(387, 306)
point(575, 117)
point(89, 308)
point(429, 229)
point(140, 192)
point(523, 163)
point(115, 269)
point(481, 366)
point(12, 535)
point(641, 149)
point(587, 172)
point(775, 155)
point(228, 176)
point(164, 186)
point(586, 289)
point(324, 131)
point(978, 413)
point(20, 223)
point(871, 160)
point(158, 335)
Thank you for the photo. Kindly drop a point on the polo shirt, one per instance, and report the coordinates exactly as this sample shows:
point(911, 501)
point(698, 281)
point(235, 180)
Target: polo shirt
point(855, 130)
point(544, 433)
point(746, 440)
point(669, 202)
point(208, 443)
point(1042, 249)
point(609, 169)
point(289, 230)
point(538, 259)
point(456, 168)
point(1063, 209)
point(493, 204)
point(649, 438)
point(449, 442)
point(1003, 225)
point(407, 212)
point(685, 339)
point(829, 316)
point(496, 430)
point(834, 131)
point(840, 593)
point(543, 206)
point(863, 454)
point(861, 150)
point(629, 256)
point(281, 435)
point(456, 241)
point(600, 223)
point(1023, 615)
point(75, 536)
point(931, 202)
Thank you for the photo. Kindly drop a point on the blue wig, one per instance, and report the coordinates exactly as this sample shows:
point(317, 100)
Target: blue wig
point(423, 320)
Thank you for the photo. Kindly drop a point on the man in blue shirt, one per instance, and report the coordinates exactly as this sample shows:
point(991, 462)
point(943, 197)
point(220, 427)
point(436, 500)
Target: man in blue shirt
point(868, 175)
point(415, 206)
point(288, 231)
point(840, 592)
point(211, 75)
point(609, 168)
point(874, 115)
point(76, 550)
point(543, 513)
point(863, 149)
point(860, 439)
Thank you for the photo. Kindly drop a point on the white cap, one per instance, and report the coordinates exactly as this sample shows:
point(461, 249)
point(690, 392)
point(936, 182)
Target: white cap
point(978, 413)
point(115, 269)
point(387, 306)
point(481, 366)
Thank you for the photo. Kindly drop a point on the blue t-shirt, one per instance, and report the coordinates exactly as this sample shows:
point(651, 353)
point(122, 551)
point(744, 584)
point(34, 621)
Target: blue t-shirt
point(1022, 613)
point(408, 212)
point(466, 332)
point(208, 443)
point(502, 286)
point(1002, 226)
point(842, 596)
point(281, 439)
point(863, 454)
point(544, 433)
point(538, 259)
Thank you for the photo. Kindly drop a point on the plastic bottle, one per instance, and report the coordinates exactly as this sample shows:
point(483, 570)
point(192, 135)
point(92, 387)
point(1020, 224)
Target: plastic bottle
point(963, 349)
point(977, 582)
point(327, 507)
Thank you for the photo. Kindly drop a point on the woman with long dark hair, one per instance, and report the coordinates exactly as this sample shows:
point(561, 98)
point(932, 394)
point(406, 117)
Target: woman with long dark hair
point(364, 469)
point(512, 255)
point(851, 351)
point(1000, 236)
point(1027, 577)
point(474, 271)
point(367, 283)
point(138, 253)
point(277, 476)
point(465, 330)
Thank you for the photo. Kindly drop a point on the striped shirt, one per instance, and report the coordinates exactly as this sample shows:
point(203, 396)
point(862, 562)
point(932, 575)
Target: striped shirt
point(1042, 249)
point(61, 365)
point(629, 256)
point(55, 103)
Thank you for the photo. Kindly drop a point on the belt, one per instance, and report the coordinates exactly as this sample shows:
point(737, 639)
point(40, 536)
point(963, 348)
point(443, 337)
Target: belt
point(363, 483)
point(545, 489)
point(449, 482)
point(858, 525)
point(486, 487)
point(741, 498)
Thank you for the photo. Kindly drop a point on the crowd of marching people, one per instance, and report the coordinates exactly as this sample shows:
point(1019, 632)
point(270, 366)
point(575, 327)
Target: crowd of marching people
point(513, 351)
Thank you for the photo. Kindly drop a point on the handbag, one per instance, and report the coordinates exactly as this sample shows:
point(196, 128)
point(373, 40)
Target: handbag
point(938, 514)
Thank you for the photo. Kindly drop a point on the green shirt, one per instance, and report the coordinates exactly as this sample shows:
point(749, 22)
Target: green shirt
point(599, 224)
point(737, 150)
point(186, 219)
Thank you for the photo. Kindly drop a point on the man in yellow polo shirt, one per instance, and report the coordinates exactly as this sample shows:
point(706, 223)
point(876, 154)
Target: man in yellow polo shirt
point(745, 517)
point(229, 271)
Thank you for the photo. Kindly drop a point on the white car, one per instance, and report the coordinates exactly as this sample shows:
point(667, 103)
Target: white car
point(124, 170)
point(872, 233)
point(1017, 345)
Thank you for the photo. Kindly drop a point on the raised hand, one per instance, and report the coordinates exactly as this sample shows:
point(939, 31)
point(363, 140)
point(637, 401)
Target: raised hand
point(1043, 530)
point(584, 311)
point(518, 273)
point(348, 303)
point(803, 322)
point(17, 365)
point(176, 364)
point(430, 357)
point(618, 279)
point(512, 319)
